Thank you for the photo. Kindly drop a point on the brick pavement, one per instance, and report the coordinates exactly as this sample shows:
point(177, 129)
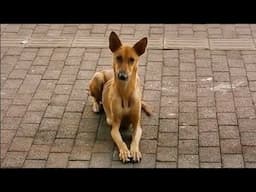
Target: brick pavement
point(200, 80)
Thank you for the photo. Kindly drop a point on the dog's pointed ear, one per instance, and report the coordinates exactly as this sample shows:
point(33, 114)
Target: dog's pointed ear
point(114, 42)
point(140, 46)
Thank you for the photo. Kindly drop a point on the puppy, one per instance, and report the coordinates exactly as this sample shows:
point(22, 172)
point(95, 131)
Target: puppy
point(118, 90)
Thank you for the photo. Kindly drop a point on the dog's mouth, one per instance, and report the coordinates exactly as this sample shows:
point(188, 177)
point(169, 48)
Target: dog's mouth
point(123, 76)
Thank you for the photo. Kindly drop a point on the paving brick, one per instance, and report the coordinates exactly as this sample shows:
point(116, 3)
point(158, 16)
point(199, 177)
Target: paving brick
point(249, 153)
point(231, 146)
point(44, 137)
point(188, 132)
point(187, 107)
point(149, 132)
point(207, 112)
point(57, 160)
point(7, 136)
point(152, 85)
point(206, 101)
point(51, 74)
point(168, 112)
point(243, 102)
point(246, 112)
point(187, 118)
point(164, 165)
point(247, 125)
point(225, 106)
point(67, 131)
point(18, 74)
point(250, 165)
point(81, 152)
point(103, 146)
point(11, 123)
point(100, 160)
point(37, 70)
point(88, 125)
point(148, 146)
point(34, 164)
point(188, 146)
point(169, 101)
point(185, 66)
point(229, 132)
point(241, 92)
point(38, 105)
point(252, 85)
point(81, 84)
point(43, 95)
point(12, 84)
point(209, 139)
point(188, 161)
point(62, 145)
point(151, 95)
point(54, 111)
point(86, 75)
point(30, 84)
point(203, 63)
point(232, 161)
point(71, 118)
point(206, 92)
point(166, 154)
point(33, 117)
point(147, 161)
point(22, 99)
point(78, 164)
point(168, 125)
point(27, 56)
point(63, 89)
point(210, 165)
point(227, 118)
point(221, 76)
point(45, 52)
point(248, 138)
point(75, 106)
point(209, 154)
point(14, 160)
point(21, 144)
point(39, 152)
point(59, 100)
point(76, 51)
point(167, 139)
point(206, 125)
point(16, 111)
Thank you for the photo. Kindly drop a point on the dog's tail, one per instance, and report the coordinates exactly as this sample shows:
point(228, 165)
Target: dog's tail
point(146, 108)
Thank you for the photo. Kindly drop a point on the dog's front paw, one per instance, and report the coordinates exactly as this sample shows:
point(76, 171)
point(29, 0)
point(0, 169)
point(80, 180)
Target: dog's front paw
point(124, 155)
point(95, 107)
point(135, 154)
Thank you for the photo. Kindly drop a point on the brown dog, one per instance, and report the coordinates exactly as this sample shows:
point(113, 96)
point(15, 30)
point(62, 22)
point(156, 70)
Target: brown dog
point(119, 92)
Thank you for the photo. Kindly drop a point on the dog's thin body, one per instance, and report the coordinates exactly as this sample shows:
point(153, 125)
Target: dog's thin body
point(120, 95)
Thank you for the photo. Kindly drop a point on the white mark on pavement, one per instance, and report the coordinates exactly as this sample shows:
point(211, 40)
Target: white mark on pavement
point(24, 42)
point(224, 87)
point(207, 79)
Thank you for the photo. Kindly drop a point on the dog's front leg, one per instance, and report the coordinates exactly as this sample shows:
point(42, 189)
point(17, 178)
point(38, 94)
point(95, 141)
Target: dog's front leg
point(135, 152)
point(124, 153)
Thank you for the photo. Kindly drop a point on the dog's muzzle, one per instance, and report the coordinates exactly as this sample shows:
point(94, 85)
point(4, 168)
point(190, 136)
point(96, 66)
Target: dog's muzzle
point(122, 76)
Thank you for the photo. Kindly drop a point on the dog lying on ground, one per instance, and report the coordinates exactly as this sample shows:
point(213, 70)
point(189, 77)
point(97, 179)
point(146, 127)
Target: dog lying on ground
point(118, 90)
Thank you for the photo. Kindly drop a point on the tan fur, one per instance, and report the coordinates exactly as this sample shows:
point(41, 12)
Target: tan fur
point(121, 99)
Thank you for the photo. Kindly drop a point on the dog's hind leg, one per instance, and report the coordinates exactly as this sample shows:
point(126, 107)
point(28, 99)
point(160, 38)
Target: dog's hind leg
point(95, 90)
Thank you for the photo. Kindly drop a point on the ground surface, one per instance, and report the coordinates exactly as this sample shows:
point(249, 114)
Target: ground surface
point(200, 80)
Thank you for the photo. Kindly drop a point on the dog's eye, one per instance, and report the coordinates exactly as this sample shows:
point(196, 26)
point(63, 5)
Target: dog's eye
point(119, 59)
point(131, 60)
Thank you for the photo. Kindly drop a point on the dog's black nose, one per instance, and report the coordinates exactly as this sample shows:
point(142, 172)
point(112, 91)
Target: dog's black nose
point(122, 76)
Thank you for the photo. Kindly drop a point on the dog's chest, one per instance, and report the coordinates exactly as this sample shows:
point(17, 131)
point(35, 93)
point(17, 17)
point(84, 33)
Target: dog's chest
point(125, 107)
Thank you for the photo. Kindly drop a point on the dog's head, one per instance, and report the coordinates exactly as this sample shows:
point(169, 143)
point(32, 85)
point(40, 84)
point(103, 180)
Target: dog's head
point(125, 58)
